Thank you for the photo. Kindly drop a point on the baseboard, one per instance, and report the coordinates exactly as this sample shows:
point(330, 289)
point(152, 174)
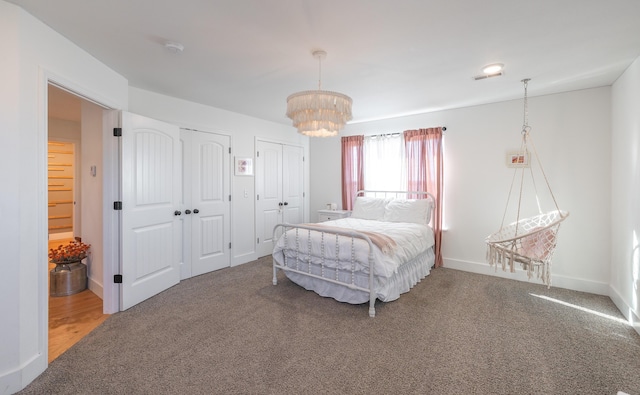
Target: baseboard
point(96, 288)
point(625, 309)
point(244, 258)
point(10, 382)
point(576, 284)
point(17, 380)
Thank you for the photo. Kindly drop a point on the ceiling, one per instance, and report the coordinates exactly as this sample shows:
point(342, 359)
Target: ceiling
point(393, 58)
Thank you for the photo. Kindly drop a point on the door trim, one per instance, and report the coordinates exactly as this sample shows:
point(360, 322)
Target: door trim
point(46, 77)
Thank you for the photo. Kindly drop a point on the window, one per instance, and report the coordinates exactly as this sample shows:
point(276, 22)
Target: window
point(411, 161)
point(383, 163)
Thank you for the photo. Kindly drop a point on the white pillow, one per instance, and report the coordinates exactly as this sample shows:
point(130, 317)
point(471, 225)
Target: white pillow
point(414, 211)
point(369, 208)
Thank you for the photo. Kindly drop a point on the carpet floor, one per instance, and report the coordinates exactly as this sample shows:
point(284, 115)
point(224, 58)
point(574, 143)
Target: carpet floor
point(233, 332)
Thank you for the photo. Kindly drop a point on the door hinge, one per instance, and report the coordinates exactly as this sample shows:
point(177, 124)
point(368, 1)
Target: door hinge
point(258, 242)
point(229, 149)
point(117, 132)
point(257, 154)
point(117, 205)
point(229, 197)
point(257, 197)
point(117, 278)
point(229, 245)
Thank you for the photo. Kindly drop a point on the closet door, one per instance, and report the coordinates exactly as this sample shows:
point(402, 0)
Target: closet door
point(210, 205)
point(279, 190)
point(292, 184)
point(205, 203)
point(268, 193)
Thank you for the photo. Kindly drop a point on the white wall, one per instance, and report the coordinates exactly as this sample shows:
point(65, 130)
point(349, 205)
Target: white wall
point(625, 187)
point(33, 53)
point(92, 192)
point(63, 129)
point(572, 134)
point(244, 131)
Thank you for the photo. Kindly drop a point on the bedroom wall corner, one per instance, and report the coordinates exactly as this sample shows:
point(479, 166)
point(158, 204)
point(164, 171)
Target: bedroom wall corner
point(625, 194)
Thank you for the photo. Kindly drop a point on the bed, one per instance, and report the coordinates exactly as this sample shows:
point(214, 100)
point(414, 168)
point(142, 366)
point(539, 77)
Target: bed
point(387, 231)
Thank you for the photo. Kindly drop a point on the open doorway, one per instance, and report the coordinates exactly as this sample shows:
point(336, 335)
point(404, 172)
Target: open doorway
point(75, 211)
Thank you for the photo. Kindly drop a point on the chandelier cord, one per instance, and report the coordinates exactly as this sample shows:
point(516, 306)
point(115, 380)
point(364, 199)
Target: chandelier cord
point(525, 121)
point(320, 73)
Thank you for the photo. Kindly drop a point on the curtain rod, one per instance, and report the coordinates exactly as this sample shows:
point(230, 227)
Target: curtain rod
point(444, 129)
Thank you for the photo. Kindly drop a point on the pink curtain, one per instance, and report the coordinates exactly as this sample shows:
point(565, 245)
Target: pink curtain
point(425, 173)
point(352, 169)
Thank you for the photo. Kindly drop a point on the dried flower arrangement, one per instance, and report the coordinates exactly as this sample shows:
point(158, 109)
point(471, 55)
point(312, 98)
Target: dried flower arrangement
point(72, 252)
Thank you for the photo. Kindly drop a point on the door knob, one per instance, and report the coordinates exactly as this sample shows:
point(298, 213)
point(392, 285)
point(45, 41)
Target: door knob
point(196, 211)
point(280, 204)
point(177, 212)
point(187, 211)
point(286, 203)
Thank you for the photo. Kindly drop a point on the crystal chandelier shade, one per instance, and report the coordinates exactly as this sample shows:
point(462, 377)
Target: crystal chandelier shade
point(319, 113)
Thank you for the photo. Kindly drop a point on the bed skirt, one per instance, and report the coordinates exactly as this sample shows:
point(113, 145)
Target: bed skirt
point(387, 288)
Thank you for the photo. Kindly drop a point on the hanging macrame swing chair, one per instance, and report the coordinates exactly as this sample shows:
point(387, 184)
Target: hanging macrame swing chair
point(530, 241)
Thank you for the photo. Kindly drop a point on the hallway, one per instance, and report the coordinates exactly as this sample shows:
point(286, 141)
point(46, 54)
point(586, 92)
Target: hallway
point(71, 317)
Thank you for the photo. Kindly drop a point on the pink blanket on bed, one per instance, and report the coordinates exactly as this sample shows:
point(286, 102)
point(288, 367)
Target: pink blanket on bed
point(385, 243)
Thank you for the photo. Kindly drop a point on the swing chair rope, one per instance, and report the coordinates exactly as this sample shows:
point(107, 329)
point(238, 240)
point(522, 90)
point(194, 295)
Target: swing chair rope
point(504, 215)
point(544, 175)
point(526, 141)
point(523, 150)
point(534, 247)
point(535, 188)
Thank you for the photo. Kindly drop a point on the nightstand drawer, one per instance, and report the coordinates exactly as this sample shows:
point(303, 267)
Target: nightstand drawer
point(329, 215)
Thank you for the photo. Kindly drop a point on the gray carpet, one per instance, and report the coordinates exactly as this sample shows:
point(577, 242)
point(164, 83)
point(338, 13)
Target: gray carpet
point(233, 332)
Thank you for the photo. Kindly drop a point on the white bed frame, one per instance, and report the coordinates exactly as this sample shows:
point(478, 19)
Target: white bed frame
point(283, 228)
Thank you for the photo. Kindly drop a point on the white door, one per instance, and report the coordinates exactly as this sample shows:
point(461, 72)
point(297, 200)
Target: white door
point(150, 200)
point(292, 184)
point(184, 223)
point(279, 190)
point(210, 205)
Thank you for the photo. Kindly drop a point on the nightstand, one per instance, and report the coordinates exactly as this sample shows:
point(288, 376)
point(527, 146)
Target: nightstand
point(329, 215)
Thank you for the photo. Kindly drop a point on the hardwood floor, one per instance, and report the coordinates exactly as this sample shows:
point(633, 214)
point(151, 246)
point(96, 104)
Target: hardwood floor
point(71, 317)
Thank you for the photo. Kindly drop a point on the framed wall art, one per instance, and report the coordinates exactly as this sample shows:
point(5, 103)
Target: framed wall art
point(243, 167)
point(518, 159)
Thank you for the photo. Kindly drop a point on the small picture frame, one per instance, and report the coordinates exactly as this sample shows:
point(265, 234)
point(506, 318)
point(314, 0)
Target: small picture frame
point(518, 159)
point(243, 167)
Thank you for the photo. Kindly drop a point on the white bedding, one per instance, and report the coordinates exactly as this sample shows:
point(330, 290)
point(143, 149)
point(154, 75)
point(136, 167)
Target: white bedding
point(411, 240)
point(329, 258)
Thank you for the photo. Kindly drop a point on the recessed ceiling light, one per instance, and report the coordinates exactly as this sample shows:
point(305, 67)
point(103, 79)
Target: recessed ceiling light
point(173, 47)
point(493, 68)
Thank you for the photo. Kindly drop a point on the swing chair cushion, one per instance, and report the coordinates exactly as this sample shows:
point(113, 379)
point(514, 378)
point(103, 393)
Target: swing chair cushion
point(539, 244)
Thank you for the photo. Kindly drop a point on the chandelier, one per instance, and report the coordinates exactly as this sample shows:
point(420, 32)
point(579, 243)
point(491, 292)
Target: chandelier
point(319, 113)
